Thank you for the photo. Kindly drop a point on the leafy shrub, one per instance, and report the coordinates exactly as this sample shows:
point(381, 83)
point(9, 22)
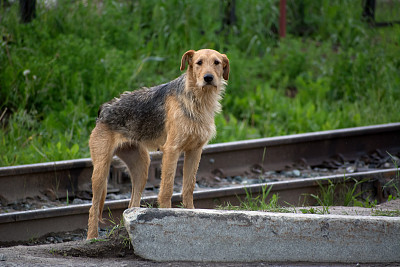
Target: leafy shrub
point(332, 70)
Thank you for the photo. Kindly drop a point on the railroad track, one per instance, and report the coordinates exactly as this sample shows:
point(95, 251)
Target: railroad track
point(72, 178)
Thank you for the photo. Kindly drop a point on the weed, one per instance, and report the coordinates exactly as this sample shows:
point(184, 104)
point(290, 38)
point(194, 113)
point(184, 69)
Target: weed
point(395, 182)
point(391, 197)
point(57, 185)
point(117, 230)
point(259, 203)
point(324, 205)
point(149, 205)
point(263, 156)
point(349, 195)
point(313, 210)
point(389, 213)
point(180, 205)
point(96, 240)
point(342, 194)
point(33, 239)
point(339, 194)
point(369, 204)
point(326, 196)
point(115, 225)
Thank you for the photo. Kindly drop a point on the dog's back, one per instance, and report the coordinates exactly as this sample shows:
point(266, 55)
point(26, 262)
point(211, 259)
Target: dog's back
point(140, 115)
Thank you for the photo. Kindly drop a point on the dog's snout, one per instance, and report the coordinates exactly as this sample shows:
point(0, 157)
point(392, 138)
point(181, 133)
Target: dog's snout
point(208, 78)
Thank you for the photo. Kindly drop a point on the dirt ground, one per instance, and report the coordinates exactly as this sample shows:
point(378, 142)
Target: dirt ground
point(85, 254)
point(116, 250)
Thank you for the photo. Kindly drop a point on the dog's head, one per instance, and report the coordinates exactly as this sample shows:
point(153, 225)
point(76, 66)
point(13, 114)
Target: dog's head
point(206, 68)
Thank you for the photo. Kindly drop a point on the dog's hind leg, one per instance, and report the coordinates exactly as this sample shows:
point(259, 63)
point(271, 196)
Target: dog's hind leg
point(101, 145)
point(137, 159)
point(102, 200)
point(190, 166)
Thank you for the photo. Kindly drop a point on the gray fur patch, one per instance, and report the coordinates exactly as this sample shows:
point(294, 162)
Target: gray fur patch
point(140, 115)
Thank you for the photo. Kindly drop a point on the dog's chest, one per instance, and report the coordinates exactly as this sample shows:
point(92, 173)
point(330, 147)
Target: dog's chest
point(190, 132)
point(203, 129)
point(194, 134)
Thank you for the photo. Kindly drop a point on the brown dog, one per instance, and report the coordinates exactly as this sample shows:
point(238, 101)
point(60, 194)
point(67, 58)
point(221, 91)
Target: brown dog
point(174, 117)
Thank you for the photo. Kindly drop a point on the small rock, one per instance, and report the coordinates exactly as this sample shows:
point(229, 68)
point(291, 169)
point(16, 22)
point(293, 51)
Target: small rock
point(77, 201)
point(102, 232)
point(245, 182)
point(50, 239)
point(238, 179)
point(67, 239)
point(256, 170)
point(350, 169)
point(296, 173)
point(3, 257)
point(76, 238)
point(387, 165)
point(216, 179)
point(112, 196)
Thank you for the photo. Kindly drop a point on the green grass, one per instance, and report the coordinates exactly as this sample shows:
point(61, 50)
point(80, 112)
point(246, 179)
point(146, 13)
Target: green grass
point(57, 70)
point(332, 194)
point(388, 213)
point(258, 203)
point(117, 230)
point(345, 193)
point(314, 210)
point(393, 185)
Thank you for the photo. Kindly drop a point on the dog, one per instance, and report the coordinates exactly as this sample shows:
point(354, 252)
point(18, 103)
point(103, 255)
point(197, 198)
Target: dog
point(175, 117)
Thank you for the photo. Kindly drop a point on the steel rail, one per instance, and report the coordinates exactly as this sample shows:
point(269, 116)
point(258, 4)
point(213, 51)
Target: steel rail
point(57, 179)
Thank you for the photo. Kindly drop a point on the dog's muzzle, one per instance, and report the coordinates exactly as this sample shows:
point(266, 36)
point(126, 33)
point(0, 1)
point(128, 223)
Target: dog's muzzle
point(208, 78)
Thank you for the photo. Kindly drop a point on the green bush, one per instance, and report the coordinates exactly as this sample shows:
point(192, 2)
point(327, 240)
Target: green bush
point(331, 71)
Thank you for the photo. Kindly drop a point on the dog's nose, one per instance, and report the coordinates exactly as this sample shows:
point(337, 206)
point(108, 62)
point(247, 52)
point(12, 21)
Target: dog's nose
point(208, 78)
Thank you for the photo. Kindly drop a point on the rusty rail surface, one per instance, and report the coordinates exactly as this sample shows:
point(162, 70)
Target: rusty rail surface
point(72, 177)
point(22, 226)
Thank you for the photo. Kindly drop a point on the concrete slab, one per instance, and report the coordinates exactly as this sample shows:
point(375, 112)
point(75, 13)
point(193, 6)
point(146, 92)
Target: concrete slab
point(247, 236)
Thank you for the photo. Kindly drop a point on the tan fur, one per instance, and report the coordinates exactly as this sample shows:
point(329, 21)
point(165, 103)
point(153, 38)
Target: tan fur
point(182, 133)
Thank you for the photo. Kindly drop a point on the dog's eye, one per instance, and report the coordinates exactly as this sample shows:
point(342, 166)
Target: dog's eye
point(216, 62)
point(199, 62)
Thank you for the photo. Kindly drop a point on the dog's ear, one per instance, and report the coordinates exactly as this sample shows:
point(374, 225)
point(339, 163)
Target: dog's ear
point(225, 65)
point(187, 57)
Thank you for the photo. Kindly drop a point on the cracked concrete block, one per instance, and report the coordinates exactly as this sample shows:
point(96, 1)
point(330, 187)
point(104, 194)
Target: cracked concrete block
point(248, 236)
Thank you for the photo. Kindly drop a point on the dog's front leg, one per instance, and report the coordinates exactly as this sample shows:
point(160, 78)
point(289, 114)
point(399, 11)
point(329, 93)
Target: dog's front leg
point(190, 166)
point(168, 169)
